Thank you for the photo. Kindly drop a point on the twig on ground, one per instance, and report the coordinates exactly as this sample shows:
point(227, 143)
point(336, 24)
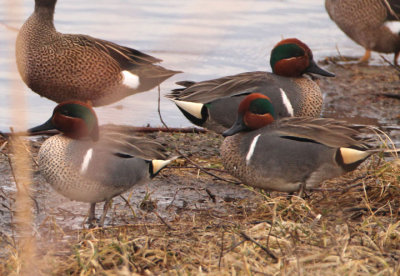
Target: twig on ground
point(159, 108)
point(221, 253)
point(163, 221)
point(391, 95)
point(234, 246)
point(189, 188)
point(204, 170)
point(211, 195)
point(190, 167)
point(269, 252)
point(396, 67)
point(345, 189)
point(129, 205)
point(136, 129)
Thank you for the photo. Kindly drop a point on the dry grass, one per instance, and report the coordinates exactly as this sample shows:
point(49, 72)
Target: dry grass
point(349, 226)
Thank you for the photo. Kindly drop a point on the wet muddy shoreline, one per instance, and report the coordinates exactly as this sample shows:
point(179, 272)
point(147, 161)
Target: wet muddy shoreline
point(355, 94)
point(183, 192)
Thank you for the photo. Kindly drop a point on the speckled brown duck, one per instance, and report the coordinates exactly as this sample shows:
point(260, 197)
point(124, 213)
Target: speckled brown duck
point(210, 103)
point(62, 67)
point(365, 22)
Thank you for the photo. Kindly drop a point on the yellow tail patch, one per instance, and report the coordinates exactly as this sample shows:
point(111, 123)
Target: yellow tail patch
point(158, 165)
point(193, 109)
point(352, 155)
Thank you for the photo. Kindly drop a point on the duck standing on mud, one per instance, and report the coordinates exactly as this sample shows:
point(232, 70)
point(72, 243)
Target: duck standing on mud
point(91, 164)
point(366, 23)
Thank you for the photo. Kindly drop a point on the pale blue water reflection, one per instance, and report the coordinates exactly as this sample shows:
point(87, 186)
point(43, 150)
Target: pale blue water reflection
point(203, 38)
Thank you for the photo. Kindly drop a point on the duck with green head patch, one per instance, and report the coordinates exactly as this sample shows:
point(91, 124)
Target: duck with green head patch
point(210, 103)
point(91, 164)
point(290, 154)
point(64, 67)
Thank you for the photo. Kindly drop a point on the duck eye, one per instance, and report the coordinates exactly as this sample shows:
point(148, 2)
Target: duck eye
point(65, 112)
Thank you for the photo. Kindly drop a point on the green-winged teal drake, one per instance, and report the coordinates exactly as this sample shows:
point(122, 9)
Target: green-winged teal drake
point(365, 22)
point(64, 67)
point(209, 103)
point(94, 164)
point(292, 153)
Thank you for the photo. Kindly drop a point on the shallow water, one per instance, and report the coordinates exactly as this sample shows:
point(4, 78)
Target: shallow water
point(205, 39)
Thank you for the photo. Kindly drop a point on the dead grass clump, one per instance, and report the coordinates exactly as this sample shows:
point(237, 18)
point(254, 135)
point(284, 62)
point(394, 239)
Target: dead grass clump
point(347, 226)
point(276, 235)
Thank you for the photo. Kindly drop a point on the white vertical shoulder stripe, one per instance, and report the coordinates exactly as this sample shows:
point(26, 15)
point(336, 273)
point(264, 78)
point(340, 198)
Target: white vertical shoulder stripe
point(86, 160)
point(251, 149)
point(286, 102)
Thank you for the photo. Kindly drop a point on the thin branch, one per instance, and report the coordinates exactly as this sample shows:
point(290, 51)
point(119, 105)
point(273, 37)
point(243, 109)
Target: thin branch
point(159, 108)
point(396, 67)
point(211, 195)
point(136, 129)
point(221, 250)
point(204, 170)
point(163, 221)
point(192, 167)
point(269, 252)
point(391, 95)
point(129, 205)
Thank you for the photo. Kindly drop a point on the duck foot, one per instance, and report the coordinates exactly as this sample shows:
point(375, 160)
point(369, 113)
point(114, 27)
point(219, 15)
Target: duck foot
point(107, 206)
point(302, 191)
point(396, 56)
point(366, 57)
point(91, 221)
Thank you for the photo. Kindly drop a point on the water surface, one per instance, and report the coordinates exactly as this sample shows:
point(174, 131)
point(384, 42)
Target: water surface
point(203, 38)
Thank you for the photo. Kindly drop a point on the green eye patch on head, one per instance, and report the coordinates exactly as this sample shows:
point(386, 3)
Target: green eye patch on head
point(78, 111)
point(285, 51)
point(261, 106)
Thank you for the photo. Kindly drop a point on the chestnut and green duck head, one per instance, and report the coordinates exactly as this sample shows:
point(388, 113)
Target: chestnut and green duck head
point(254, 112)
point(92, 164)
point(212, 104)
point(76, 120)
point(293, 153)
point(292, 58)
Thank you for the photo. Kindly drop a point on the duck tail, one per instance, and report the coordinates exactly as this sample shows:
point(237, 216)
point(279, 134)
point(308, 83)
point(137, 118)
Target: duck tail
point(157, 165)
point(177, 92)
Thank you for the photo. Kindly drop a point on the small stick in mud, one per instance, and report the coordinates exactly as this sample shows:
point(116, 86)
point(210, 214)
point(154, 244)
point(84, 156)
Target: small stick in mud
point(390, 63)
point(163, 221)
point(205, 171)
point(211, 195)
point(222, 249)
point(136, 129)
point(269, 252)
point(159, 109)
